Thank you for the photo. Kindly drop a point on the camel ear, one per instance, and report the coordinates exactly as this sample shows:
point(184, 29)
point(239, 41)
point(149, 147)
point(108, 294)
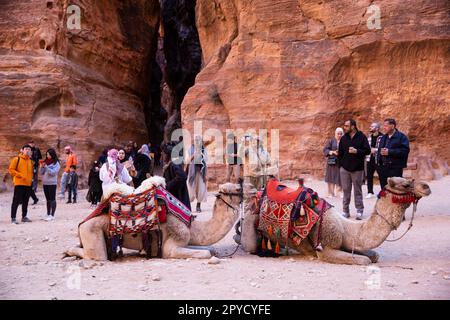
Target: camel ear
point(391, 182)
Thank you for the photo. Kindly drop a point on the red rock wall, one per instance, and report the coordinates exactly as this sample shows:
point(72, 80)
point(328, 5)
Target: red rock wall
point(80, 87)
point(305, 66)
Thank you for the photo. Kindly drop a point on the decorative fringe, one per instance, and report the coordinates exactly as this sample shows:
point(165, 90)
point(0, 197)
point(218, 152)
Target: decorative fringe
point(263, 244)
point(277, 248)
point(269, 245)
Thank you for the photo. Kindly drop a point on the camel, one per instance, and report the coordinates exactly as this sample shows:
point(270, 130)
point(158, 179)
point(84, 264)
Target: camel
point(178, 239)
point(345, 241)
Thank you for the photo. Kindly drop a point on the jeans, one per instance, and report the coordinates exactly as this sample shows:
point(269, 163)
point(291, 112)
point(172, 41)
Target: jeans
point(21, 196)
point(387, 172)
point(72, 191)
point(349, 179)
point(63, 183)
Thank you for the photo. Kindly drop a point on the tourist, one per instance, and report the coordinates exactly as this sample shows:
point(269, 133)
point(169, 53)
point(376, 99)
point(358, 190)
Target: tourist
point(332, 174)
point(175, 177)
point(71, 159)
point(72, 184)
point(95, 184)
point(371, 163)
point(49, 171)
point(113, 171)
point(257, 165)
point(35, 157)
point(142, 165)
point(233, 160)
point(197, 172)
point(352, 151)
point(128, 163)
point(392, 152)
point(21, 169)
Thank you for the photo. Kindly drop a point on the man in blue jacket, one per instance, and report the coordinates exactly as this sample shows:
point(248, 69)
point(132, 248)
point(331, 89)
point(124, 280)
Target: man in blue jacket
point(392, 155)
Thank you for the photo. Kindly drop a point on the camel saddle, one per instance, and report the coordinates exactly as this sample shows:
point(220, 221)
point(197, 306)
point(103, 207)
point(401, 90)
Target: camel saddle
point(288, 212)
point(276, 191)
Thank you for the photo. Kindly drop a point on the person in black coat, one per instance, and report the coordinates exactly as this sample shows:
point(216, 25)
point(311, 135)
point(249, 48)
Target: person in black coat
point(95, 184)
point(142, 164)
point(352, 151)
point(175, 177)
point(393, 151)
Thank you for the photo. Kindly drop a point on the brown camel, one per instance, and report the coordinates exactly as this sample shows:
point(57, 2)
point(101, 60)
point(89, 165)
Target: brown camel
point(342, 236)
point(176, 235)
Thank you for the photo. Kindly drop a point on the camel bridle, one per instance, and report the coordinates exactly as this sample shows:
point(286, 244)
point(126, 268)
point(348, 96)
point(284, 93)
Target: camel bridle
point(391, 225)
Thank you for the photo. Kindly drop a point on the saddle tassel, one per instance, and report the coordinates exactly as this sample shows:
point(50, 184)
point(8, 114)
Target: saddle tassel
point(269, 245)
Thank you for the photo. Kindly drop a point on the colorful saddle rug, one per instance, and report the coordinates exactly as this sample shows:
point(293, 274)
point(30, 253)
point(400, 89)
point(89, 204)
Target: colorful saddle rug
point(289, 213)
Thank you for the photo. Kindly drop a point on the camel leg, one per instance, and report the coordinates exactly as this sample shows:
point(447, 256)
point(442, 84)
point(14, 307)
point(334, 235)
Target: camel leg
point(371, 254)
point(174, 251)
point(209, 248)
point(342, 257)
point(75, 252)
point(93, 240)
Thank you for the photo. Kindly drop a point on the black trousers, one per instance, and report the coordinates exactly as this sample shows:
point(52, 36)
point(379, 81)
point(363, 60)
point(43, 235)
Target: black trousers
point(371, 169)
point(387, 172)
point(50, 196)
point(21, 196)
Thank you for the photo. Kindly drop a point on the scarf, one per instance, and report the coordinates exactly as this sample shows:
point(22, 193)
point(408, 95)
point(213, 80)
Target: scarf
point(144, 150)
point(114, 165)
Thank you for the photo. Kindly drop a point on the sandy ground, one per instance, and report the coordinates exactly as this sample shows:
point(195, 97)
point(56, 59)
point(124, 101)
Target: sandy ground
point(416, 267)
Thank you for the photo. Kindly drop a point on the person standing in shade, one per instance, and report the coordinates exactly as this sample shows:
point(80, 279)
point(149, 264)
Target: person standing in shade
point(142, 164)
point(71, 159)
point(72, 184)
point(371, 163)
point(95, 184)
point(352, 152)
point(332, 174)
point(197, 172)
point(392, 152)
point(234, 162)
point(21, 169)
point(175, 176)
point(49, 171)
point(35, 156)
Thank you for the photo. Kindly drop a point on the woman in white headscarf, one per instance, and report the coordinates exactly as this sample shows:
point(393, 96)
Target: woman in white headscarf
point(113, 171)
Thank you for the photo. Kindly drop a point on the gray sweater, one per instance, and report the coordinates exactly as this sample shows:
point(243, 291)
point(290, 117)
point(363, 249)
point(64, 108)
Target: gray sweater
point(50, 174)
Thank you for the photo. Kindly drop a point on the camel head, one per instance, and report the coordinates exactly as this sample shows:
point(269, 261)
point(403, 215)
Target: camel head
point(231, 194)
point(402, 185)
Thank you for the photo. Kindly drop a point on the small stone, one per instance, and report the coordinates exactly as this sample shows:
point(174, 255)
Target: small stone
point(103, 279)
point(54, 298)
point(390, 284)
point(29, 263)
point(156, 277)
point(89, 293)
point(28, 240)
point(214, 260)
point(143, 287)
point(45, 239)
point(234, 290)
point(291, 260)
point(253, 284)
point(52, 284)
point(433, 273)
point(446, 277)
point(87, 265)
point(415, 282)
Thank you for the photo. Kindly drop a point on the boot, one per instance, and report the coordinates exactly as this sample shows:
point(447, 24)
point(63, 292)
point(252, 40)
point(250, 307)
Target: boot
point(198, 207)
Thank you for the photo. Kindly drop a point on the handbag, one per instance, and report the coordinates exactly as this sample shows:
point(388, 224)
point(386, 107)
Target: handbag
point(332, 160)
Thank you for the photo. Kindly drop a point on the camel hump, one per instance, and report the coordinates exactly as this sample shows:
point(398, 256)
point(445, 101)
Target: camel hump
point(278, 192)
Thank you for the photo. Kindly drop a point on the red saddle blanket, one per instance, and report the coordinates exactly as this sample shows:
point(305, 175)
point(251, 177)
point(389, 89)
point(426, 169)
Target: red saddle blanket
point(289, 213)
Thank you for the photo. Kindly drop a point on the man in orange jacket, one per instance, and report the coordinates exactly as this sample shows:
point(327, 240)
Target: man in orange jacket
point(71, 160)
point(21, 169)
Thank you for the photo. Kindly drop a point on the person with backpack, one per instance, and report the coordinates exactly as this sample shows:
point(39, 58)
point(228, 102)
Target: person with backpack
point(49, 171)
point(21, 169)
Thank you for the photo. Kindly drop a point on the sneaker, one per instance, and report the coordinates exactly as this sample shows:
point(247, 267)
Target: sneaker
point(68, 201)
point(14, 221)
point(346, 215)
point(52, 218)
point(25, 219)
point(35, 202)
point(49, 218)
point(359, 216)
point(370, 195)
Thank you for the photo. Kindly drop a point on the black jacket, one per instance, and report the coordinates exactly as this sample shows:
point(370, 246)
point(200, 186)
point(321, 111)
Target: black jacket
point(94, 182)
point(142, 165)
point(398, 146)
point(176, 183)
point(353, 161)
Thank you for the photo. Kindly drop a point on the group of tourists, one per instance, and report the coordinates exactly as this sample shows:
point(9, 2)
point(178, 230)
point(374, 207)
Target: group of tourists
point(352, 157)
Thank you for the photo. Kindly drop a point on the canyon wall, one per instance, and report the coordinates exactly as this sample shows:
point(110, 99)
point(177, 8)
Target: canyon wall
point(84, 87)
point(304, 66)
